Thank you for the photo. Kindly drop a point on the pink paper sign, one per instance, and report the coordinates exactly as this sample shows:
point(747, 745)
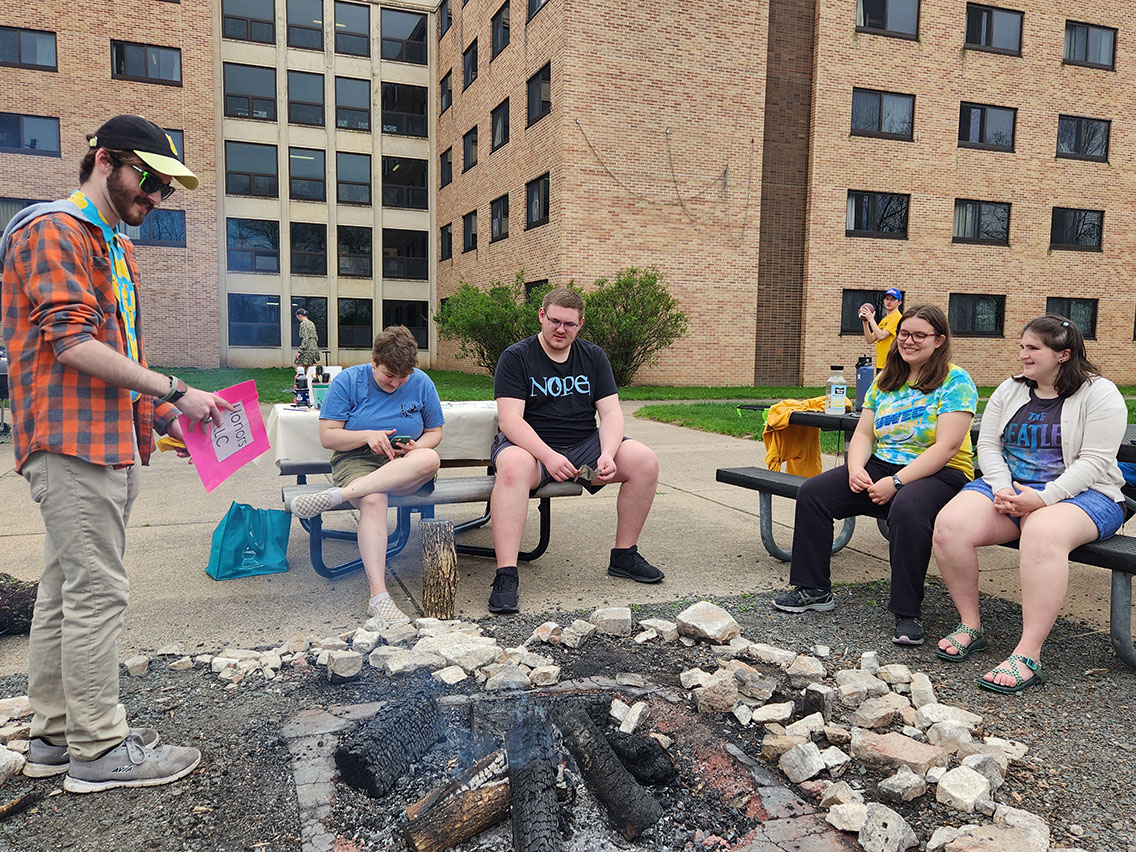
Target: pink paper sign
point(224, 449)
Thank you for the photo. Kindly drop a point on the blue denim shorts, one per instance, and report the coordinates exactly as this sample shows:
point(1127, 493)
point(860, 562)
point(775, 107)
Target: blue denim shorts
point(1107, 514)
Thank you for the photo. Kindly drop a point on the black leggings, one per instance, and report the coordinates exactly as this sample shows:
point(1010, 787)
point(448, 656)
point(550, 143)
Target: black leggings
point(910, 516)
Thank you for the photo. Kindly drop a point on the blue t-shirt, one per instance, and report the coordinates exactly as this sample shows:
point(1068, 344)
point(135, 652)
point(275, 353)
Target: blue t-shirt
point(355, 398)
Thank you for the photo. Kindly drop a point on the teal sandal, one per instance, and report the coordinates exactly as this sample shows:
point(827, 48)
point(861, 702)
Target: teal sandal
point(977, 643)
point(1020, 683)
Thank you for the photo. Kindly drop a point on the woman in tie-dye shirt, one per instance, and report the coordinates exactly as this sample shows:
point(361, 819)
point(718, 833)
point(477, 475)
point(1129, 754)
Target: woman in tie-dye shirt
point(1047, 449)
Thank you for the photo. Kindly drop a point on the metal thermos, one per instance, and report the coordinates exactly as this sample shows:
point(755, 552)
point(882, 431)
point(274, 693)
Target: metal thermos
point(865, 373)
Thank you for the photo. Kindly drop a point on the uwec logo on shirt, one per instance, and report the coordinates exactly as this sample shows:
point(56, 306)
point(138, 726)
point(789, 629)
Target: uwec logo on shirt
point(556, 386)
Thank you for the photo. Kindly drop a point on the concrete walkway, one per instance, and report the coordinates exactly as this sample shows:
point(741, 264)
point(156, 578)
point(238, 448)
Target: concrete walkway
point(704, 535)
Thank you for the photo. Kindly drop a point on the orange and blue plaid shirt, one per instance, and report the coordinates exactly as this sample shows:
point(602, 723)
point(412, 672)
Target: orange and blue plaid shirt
point(58, 289)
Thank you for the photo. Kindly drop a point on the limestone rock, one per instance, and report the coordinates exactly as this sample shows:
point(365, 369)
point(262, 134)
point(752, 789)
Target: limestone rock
point(950, 734)
point(668, 630)
point(835, 761)
point(137, 665)
point(719, 695)
point(174, 649)
point(805, 670)
point(995, 838)
point(961, 788)
point(708, 621)
point(940, 837)
point(870, 662)
point(837, 735)
point(549, 633)
point(343, 666)
point(774, 713)
point(801, 762)
point(987, 766)
point(545, 675)
point(743, 714)
point(971, 748)
point(462, 649)
point(576, 633)
point(873, 713)
point(612, 620)
point(645, 636)
point(769, 654)
point(848, 816)
point(410, 660)
point(329, 643)
point(364, 641)
point(807, 726)
point(894, 749)
point(921, 690)
point(510, 677)
point(636, 717)
point(11, 764)
point(1030, 824)
point(904, 786)
point(618, 710)
point(693, 677)
point(894, 673)
point(751, 682)
point(1013, 749)
point(181, 664)
point(885, 831)
point(840, 794)
point(773, 746)
point(450, 675)
point(819, 698)
point(378, 657)
point(15, 731)
point(929, 714)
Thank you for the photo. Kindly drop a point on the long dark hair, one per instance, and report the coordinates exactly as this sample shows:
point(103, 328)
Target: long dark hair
point(934, 372)
point(1058, 334)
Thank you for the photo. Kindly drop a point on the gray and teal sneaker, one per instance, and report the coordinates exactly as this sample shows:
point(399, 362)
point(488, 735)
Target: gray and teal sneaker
point(801, 599)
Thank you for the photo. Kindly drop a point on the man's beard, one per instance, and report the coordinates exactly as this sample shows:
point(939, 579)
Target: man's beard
point(124, 193)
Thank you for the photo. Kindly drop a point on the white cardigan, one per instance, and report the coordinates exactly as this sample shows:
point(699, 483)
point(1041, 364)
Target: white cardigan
point(1093, 421)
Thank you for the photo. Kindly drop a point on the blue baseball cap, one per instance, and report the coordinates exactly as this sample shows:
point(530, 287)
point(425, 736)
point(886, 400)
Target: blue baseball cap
point(894, 293)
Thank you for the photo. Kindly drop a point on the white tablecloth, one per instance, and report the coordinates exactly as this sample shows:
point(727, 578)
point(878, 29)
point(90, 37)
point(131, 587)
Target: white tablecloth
point(294, 433)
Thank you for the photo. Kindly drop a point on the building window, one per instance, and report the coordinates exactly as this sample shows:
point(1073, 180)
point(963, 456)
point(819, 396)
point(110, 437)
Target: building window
point(404, 183)
point(27, 48)
point(9, 207)
point(887, 114)
point(253, 245)
point(413, 315)
point(876, 214)
point(536, 202)
point(469, 149)
point(499, 218)
point(250, 91)
point(404, 36)
point(469, 64)
point(254, 319)
point(178, 138)
point(500, 122)
point(352, 29)
point(305, 98)
point(532, 286)
point(354, 251)
point(309, 249)
point(353, 178)
point(250, 169)
point(446, 235)
point(888, 17)
point(159, 228)
point(404, 109)
point(989, 127)
point(356, 327)
point(996, 30)
point(307, 179)
point(316, 306)
point(305, 24)
point(469, 231)
point(352, 104)
point(500, 27)
point(146, 63)
point(540, 94)
point(1086, 44)
point(850, 303)
point(445, 18)
point(29, 134)
point(1081, 311)
point(446, 92)
point(535, 6)
point(973, 315)
point(446, 167)
point(249, 20)
point(404, 254)
point(1083, 138)
point(1077, 230)
point(981, 222)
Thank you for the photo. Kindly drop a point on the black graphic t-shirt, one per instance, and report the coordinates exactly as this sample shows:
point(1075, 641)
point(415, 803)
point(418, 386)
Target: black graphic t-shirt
point(560, 399)
point(1031, 441)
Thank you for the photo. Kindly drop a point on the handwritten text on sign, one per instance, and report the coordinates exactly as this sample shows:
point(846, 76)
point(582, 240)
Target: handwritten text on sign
point(232, 433)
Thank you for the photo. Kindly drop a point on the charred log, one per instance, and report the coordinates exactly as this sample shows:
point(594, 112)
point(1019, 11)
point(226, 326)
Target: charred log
point(532, 779)
point(468, 804)
point(378, 751)
point(644, 757)
point(17, 599)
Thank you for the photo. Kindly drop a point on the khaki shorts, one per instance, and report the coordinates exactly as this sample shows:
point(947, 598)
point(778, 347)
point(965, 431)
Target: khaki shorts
point(349, 465)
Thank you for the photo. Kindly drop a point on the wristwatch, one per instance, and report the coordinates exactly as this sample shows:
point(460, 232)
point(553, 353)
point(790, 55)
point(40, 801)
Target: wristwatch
point(177, 390)
point(896, 481)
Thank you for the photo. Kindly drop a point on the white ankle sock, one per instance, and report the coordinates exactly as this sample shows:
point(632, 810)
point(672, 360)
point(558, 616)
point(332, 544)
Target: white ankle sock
point(335, 495)
point(379, 597)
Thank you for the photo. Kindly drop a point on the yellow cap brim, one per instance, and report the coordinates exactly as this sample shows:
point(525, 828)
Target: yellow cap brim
point(170, 166)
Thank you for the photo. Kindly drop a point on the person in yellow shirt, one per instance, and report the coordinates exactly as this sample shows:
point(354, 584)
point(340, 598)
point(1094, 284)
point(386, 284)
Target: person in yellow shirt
point(882, 334)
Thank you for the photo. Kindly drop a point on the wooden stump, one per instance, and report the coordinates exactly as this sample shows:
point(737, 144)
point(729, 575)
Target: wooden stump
point(440, 571)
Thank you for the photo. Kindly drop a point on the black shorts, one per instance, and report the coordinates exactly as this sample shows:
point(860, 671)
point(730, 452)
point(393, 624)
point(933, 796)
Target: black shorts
point(587, 452)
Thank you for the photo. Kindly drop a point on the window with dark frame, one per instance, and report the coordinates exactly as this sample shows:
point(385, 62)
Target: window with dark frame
point(1076, 230)
point(532, 286)
point(29, 134)
point(405, 254)
point(412, 314)
point(540, 94)
point(899, 18)
point(1081, 311)
point(307, 176)
point(890, 115)
point(356, 324)
point(445, 93)
point(250, 169)
point(536, 202)
point(404, 183)
point(993, 29)
point(445, 167)
point(535, 6)
point(252, 245)
point(445, 18)
point(469, 149)
point(305, 98)
point(403, 36)
point(145, 63)
point(1091, 45)
point(249, 20)
point(250, 91)
point(469, 64)
point(352, 29)
point(352, 178)
point(500, 126)
point(876, 214)
point(499, 218)
point(161, 227)
point(316, 306)
point(178, 138)
point(446, 238)
point(404, 109)
point(981, 222)
point(500, 28)
point(305, 24)
point(975, 315)
point(354, 252)
point(309, 250)
point(254, 319)
point(469, 231)
point(988, 127)
point(352, 104)
point(850, 303)
point(1080, 138)
point(23, 48)
point(9, 207)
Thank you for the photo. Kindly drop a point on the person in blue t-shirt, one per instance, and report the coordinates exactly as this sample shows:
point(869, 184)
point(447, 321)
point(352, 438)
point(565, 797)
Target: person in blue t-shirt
point(383, 420)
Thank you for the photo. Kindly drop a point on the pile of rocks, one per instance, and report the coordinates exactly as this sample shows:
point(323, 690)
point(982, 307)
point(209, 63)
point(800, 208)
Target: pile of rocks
point(15, 728)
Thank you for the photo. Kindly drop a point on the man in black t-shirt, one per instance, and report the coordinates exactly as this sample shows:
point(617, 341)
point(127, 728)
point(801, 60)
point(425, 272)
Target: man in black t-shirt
point(549, 388)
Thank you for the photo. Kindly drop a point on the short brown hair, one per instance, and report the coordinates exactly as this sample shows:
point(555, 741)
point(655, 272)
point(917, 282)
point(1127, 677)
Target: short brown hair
point(87, 164)
point(396, 349)
point(564, 297)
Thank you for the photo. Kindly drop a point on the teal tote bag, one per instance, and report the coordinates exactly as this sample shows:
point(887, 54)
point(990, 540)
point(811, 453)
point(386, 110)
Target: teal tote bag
point(249, 541)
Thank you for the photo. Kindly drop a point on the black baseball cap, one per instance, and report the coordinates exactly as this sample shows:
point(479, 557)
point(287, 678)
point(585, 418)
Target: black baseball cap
point(152, 145)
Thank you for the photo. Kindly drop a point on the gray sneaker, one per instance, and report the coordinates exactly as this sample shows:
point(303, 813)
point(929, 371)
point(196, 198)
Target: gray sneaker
point(131, 764)
point(45, 759)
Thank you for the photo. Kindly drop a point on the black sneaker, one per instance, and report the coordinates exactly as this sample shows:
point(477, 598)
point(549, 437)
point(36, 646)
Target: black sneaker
point(801, 599)
point(503, 598)
point(631, 565)
point(908, 631)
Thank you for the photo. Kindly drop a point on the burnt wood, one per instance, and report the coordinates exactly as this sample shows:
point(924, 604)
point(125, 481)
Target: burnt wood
point(17, 600)
point(644, 757)
point(471, 802)
point(373, 755)
point(532, 780)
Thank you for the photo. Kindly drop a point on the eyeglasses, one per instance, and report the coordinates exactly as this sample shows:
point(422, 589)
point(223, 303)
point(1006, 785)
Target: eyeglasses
point(567, 326)
point(917, 336)
point(150, 183)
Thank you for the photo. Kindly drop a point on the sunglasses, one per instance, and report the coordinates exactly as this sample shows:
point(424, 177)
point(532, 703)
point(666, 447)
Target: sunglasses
point(150, 184)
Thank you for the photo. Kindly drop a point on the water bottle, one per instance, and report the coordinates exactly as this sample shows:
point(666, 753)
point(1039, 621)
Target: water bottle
point(300, 395)
point(865, 374)
point(835, 391)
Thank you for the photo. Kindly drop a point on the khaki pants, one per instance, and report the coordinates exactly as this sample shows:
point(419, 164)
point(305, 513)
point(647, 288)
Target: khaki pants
point(73, 646)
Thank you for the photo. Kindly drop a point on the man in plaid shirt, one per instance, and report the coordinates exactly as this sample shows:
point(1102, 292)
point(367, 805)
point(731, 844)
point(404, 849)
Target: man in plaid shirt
point(84, 408)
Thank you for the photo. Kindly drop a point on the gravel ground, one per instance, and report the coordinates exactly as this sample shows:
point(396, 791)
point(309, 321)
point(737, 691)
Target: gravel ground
point(1080, 773)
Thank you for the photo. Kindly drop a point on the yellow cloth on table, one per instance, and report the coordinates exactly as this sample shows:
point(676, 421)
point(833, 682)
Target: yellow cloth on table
point(797, 447)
